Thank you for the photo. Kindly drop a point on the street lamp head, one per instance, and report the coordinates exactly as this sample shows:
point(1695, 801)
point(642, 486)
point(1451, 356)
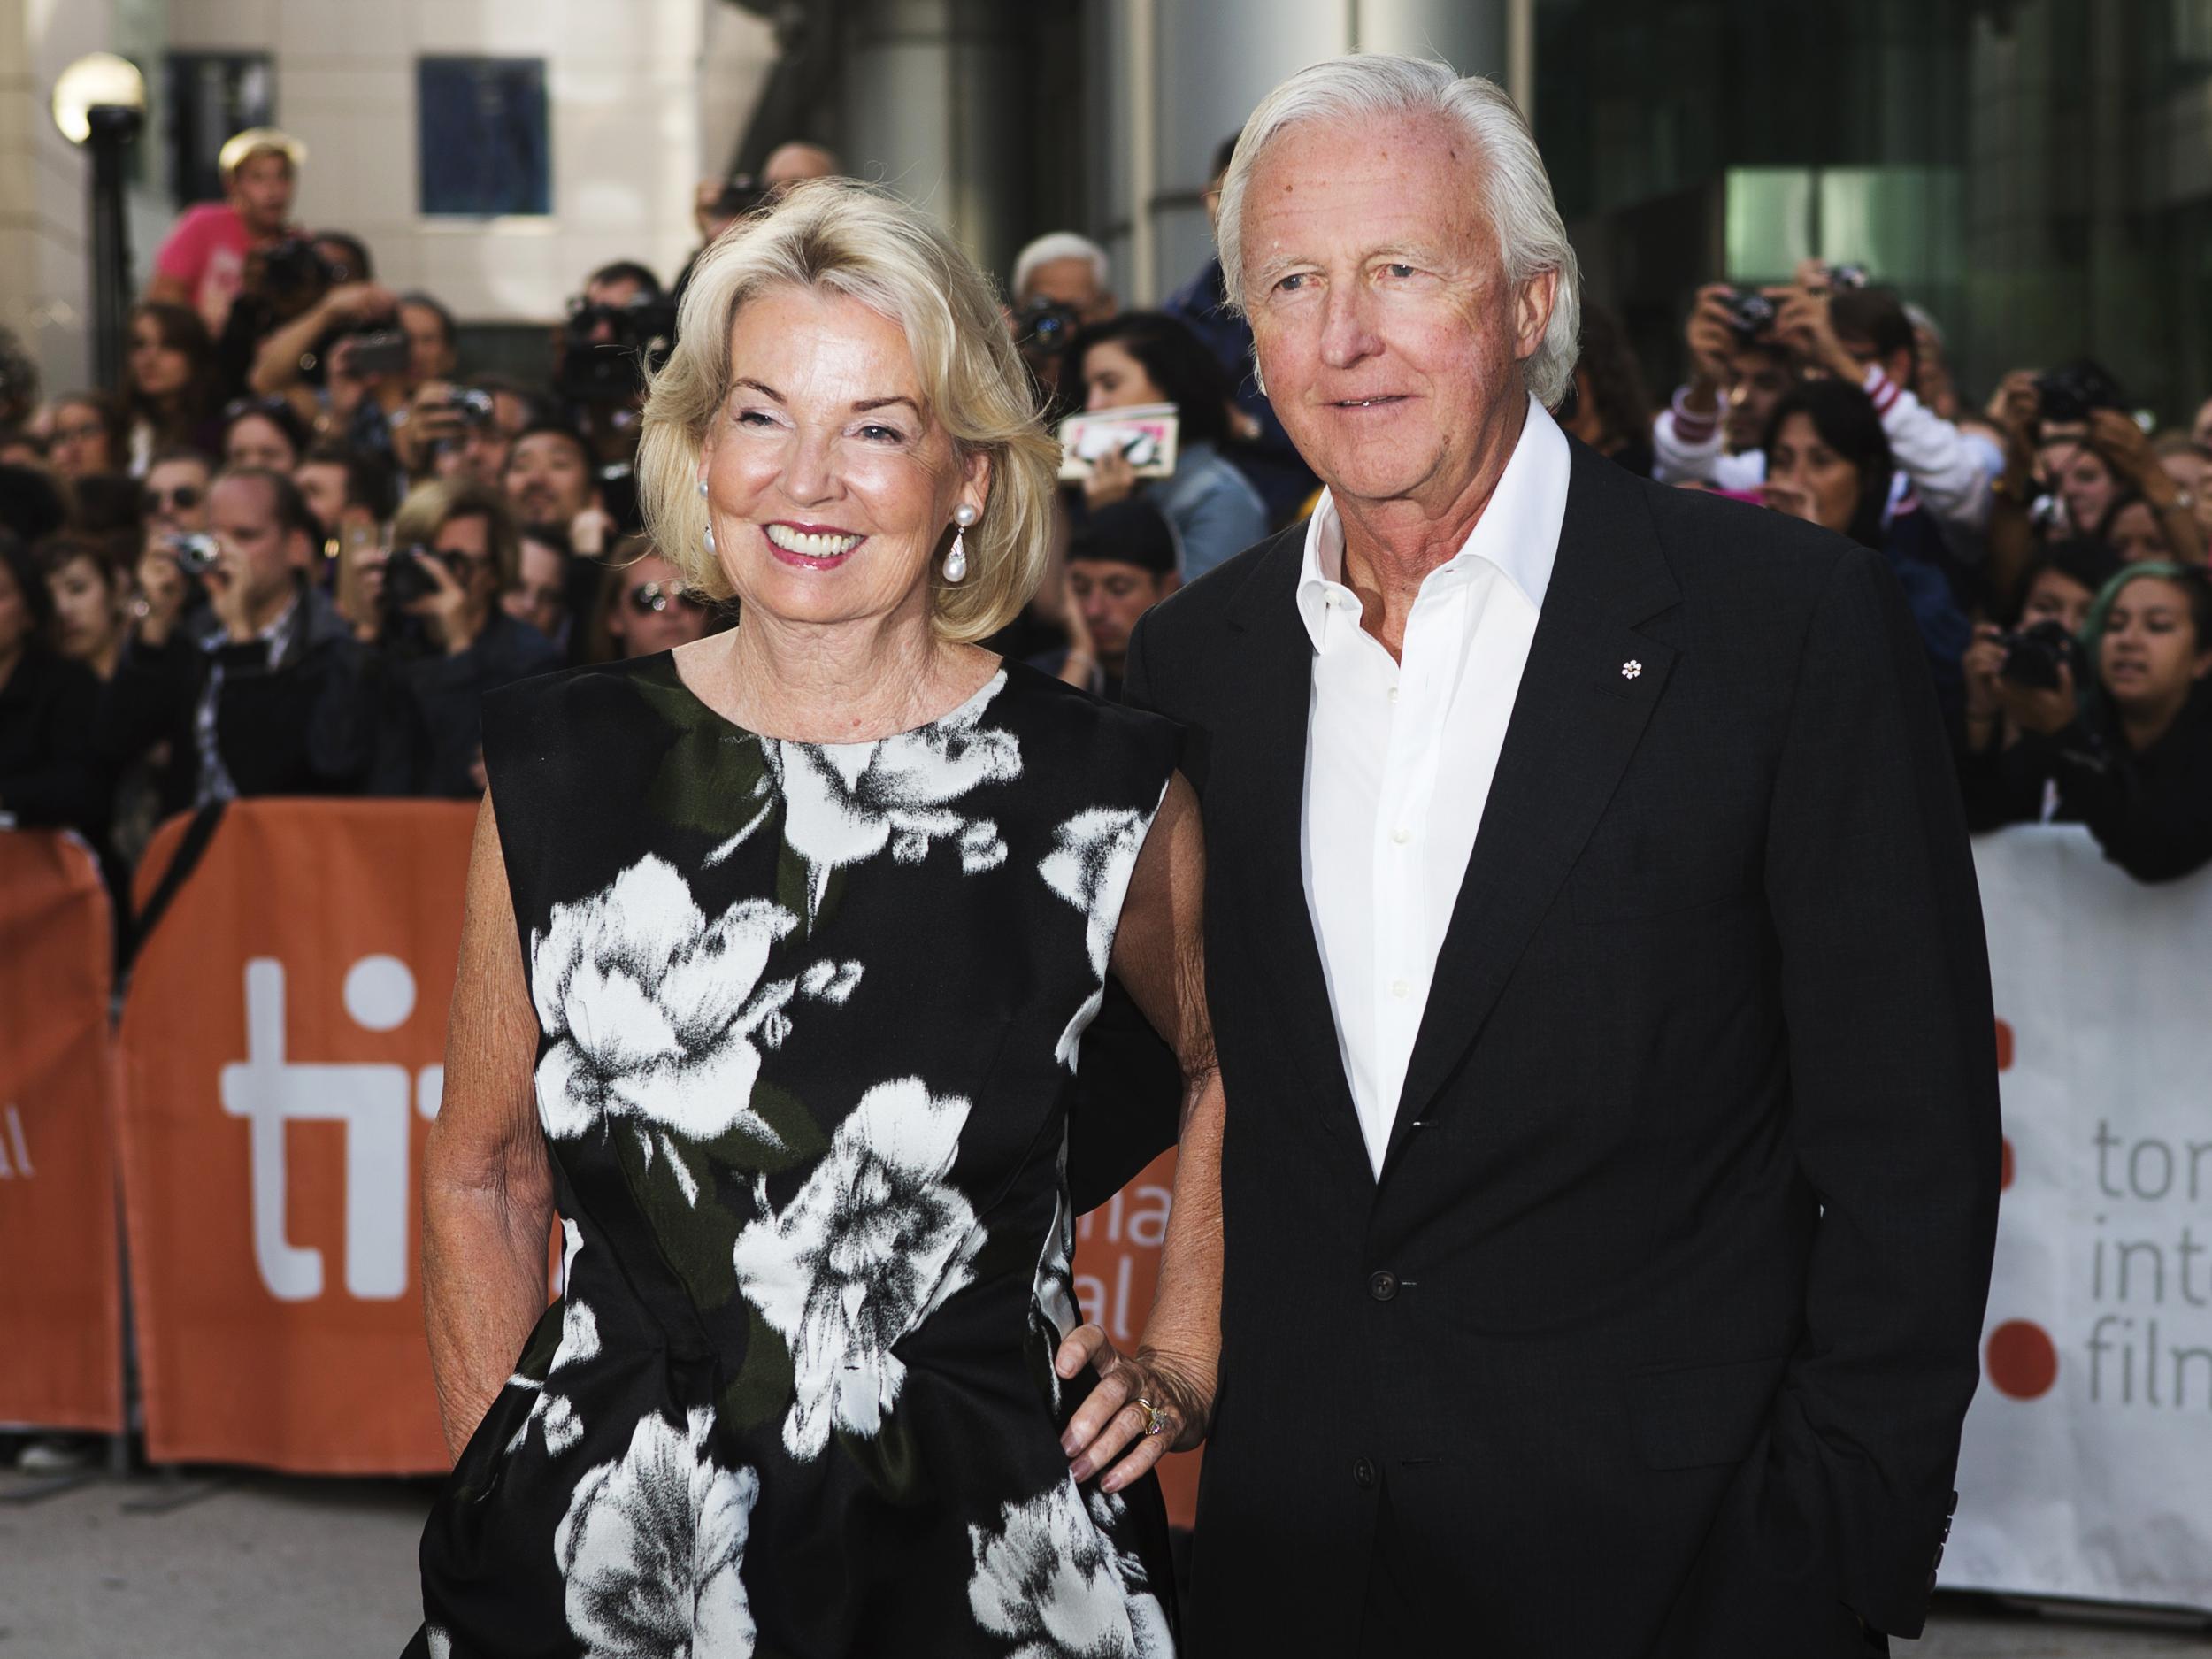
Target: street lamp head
point(103, 86)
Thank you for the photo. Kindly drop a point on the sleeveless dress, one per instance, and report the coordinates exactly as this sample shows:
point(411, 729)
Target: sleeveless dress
point(809, 1018)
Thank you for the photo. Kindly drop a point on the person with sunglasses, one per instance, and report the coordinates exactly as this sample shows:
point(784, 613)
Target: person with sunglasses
point(173, 499)
point(445, 639)
point(645, 605)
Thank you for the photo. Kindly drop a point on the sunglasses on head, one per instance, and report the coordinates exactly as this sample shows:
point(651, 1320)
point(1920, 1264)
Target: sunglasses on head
point(652, 598)
point(183, 498)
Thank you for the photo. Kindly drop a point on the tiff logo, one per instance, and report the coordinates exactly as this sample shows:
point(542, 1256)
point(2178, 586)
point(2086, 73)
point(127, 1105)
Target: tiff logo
point(270, 1092)
point(15, 1155)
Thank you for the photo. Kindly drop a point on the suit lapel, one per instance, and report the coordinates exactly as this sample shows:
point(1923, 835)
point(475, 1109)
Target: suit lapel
point(1589, 687)
point(1257, 798)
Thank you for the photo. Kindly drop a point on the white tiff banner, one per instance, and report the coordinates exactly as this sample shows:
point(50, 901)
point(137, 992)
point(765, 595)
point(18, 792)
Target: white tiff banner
point(2087, 1465)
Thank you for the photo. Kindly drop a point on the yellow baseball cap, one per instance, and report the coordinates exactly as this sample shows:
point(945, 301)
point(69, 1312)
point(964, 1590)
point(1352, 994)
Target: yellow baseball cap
point(255, 140)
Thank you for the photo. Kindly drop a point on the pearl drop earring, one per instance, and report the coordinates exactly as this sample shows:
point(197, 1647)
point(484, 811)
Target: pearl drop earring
point(708, 535)
point(964, 518)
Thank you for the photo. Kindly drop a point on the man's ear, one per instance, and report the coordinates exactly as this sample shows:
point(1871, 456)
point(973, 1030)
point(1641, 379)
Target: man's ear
point(1538, 295)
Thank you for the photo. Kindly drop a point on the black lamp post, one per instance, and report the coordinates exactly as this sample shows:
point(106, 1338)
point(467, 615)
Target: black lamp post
point(100, 104)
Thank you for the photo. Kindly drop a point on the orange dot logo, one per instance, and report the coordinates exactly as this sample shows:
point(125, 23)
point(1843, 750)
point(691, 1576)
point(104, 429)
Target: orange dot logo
point(2004, 1177)
point(2004, 1046)
point(2020, 1360)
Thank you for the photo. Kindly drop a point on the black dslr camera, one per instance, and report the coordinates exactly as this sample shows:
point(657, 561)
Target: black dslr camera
point(2067, 394)
point(2034, 656)
point(1750, 314)
point(614, 369)
point(1042, 329)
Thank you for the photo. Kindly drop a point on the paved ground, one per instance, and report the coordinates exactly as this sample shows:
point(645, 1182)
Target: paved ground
point(260, 1567)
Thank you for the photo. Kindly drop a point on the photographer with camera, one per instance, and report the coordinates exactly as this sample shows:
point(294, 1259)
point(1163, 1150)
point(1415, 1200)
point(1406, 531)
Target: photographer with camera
point(1739, 371)
point(237, 662)
point(1061, 284)
point(445, 639)
point(2133, 758)
point(203, 262)
point(284, 281)
point(1830, 323)
point(491, 410)
point(622, 327)
point(2012, 663)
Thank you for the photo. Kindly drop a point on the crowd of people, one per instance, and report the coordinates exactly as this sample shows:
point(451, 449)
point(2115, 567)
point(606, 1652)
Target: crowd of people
point(291, 552)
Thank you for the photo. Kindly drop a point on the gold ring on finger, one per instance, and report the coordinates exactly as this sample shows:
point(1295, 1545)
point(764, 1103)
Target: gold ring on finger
point(1154, 1419)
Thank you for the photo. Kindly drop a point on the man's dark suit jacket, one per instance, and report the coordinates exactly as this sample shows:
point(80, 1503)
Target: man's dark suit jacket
point(1655, 1335)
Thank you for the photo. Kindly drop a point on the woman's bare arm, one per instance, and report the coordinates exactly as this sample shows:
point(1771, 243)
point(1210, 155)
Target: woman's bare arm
point(1160, 957)
point(487, 1188)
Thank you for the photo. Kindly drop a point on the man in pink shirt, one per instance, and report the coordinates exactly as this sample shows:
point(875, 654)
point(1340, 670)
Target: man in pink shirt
point(202, 263)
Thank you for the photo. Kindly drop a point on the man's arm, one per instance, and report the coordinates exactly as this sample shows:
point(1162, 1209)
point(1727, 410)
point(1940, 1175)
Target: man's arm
point(1884, 984)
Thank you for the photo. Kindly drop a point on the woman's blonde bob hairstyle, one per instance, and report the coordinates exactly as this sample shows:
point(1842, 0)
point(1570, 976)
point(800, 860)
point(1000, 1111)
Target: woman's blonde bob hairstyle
point(834, 236)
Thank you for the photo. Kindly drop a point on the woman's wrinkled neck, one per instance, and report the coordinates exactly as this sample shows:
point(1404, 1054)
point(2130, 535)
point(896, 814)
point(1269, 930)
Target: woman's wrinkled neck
point(841, 682)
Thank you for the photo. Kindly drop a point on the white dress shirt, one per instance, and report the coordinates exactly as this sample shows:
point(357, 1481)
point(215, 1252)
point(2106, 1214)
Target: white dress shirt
point(1400, 756)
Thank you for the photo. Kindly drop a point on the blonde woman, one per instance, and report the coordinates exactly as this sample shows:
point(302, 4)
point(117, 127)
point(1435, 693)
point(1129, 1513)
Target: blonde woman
point(779, 950)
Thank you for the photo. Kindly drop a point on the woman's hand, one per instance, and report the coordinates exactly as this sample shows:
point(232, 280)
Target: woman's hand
point(1791, 499)
point(1112, 479)
point(1180, 1394)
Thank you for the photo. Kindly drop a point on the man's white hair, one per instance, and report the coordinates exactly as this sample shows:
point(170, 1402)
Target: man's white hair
point(1515, 190)
point(1058, 244)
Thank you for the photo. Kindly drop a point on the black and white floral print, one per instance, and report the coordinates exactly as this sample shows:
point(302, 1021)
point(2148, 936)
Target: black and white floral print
point(1053, 1308)
point(1050, 1583)
point(651, 1548)
point(807, 1018)
point(657, 1015)
point(845, 803)
point(554, 1411)
point(1093, 856)
point(875, 1240)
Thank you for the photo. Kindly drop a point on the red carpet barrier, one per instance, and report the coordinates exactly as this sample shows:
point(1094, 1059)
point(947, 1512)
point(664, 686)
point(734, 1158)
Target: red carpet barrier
point(61, 1362)
point(282, 1044)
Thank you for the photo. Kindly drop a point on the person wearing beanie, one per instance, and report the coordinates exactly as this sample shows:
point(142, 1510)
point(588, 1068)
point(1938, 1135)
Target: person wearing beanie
point(1121, 562)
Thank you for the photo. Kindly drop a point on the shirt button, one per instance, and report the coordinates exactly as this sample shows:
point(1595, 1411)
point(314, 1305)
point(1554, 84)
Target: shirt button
point(1393, 693)
point(1401, 836)
point(1383, 1286)
point(1399, 987)
point(1362, 1472)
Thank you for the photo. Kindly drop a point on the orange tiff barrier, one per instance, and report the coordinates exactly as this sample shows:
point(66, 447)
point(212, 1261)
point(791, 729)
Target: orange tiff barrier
point(61, 1366)
point(283, 1042)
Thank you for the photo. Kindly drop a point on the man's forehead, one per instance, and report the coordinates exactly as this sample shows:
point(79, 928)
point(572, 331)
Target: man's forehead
point(1070, 275)
point(1382, 177)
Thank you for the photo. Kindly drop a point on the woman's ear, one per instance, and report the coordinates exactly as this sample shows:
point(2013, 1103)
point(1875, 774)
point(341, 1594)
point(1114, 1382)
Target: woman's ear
point(976, 470)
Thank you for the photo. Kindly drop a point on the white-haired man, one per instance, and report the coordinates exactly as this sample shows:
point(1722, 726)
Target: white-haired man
point(1067, 269)
point(1596, 968)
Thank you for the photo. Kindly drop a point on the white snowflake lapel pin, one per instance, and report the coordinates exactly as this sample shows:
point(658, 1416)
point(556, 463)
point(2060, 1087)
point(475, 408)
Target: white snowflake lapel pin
point(1631, 669)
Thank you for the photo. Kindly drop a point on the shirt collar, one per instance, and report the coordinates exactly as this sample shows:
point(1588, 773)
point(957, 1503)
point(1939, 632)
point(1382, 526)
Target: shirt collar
point(1518, 532)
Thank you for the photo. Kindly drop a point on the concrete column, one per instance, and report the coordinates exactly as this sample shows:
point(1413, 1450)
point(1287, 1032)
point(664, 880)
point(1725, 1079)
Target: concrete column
point(1213, 60)
point(934, 108)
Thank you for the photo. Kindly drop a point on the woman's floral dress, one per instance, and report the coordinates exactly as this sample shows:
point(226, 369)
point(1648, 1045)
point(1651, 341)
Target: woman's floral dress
point(808, 1015)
